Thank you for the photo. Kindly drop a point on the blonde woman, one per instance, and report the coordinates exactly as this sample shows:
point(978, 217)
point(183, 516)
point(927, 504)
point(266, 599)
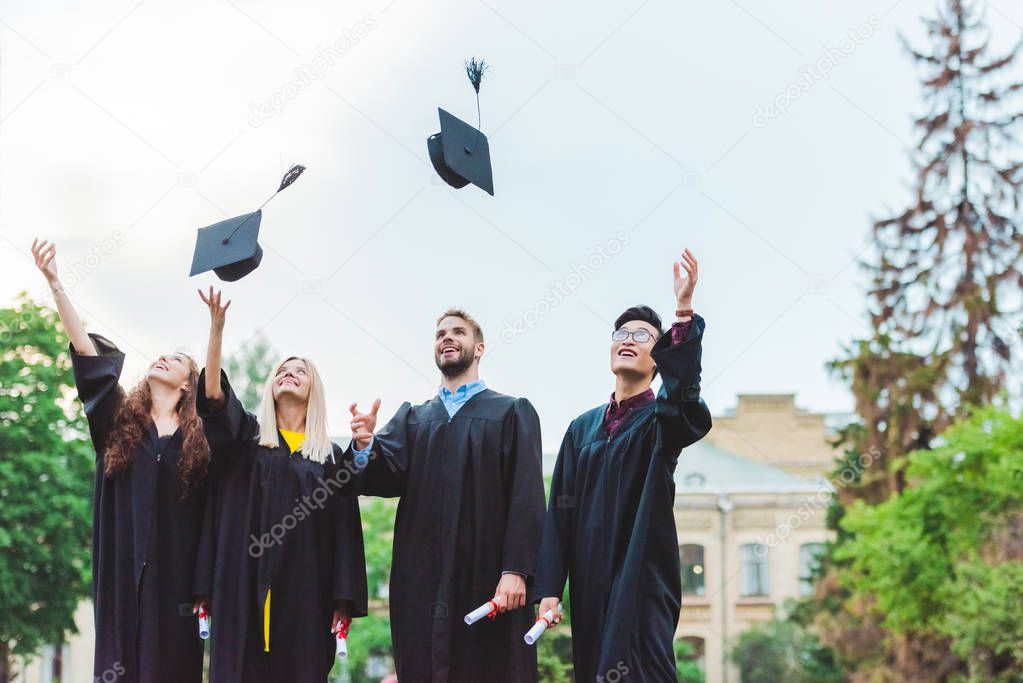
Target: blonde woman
point(286, 562)
point(151, 462)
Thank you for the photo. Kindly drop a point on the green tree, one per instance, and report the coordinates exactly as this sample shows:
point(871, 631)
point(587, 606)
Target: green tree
point(46, 469)
point(554, 656)
point(378, 534)
point(782, 650)
point(369, 637)
point(943, 282)
point(942, 560)
point(686, 670)
point(248, 368)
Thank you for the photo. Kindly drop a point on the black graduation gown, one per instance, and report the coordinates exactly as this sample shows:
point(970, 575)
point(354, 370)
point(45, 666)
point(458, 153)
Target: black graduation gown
point(144, 543)
point(261, 496)
point(471, 506)
point(610, 527)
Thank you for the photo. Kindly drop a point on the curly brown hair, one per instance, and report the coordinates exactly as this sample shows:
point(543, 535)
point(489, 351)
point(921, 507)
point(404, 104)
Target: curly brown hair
point(132, 420)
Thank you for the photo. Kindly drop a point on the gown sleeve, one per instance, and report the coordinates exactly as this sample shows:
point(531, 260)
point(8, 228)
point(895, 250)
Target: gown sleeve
point(682, 415)
point(555, 546)
point(385, 473)
point(349, 553)
point(523, 477)
point(228, 425)
point(96, 378)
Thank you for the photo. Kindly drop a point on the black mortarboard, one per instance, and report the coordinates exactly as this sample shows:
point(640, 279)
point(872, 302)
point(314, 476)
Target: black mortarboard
point(460, 153)
point(230, 248)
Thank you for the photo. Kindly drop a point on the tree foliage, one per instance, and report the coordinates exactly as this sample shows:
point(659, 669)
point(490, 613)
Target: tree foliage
point(248, 368)
point(782, 650)
point(944, 559)
point(944, 284)
point(46, 469)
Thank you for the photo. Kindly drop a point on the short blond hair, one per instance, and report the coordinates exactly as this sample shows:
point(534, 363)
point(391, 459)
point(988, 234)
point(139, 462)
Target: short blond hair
point(460, 313)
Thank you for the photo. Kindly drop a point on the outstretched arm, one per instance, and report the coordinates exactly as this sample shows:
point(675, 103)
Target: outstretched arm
point(225, 419)
point(681, 412)
point(45, 254)
point(218, 316)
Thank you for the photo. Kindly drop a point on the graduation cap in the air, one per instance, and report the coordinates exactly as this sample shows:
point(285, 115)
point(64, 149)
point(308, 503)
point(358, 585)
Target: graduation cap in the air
point(459, 152)
point(230, 248)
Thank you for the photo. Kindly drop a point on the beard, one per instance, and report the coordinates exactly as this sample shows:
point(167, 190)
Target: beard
point(454, 367)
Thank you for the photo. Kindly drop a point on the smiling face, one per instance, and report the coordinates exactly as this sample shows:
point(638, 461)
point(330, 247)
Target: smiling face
point(455, 346)
point(292, 380)
point(632, 358)
point(170, 369)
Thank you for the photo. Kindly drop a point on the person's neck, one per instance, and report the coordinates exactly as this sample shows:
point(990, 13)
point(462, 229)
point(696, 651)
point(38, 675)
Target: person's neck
point(472, 374)
point(163, 402)
point(291, 416)
point(626, 386)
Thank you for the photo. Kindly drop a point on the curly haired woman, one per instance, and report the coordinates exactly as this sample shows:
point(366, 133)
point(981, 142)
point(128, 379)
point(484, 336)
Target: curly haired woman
point(151, 463)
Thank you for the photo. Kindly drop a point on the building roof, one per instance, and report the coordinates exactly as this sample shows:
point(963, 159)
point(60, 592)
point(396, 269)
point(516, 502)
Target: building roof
point(703, 468)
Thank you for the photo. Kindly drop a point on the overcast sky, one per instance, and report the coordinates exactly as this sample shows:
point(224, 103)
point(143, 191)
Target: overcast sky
point(620, 132)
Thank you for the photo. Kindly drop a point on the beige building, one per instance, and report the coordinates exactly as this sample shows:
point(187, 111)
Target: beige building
point(749, 506)
point(750, 509)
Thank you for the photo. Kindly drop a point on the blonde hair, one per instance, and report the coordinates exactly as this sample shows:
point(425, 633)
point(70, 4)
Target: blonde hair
point(316, 445)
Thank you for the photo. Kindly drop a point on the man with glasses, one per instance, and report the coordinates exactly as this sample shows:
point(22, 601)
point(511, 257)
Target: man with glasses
point(610, 526)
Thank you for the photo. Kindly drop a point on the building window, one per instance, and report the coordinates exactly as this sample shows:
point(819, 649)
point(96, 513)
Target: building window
point(756, 574)
point(693, 571)
point(695, 480)
point(810, 555)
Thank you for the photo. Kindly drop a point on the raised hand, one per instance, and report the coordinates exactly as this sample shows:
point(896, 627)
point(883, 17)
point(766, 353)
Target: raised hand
point(363, 424)
point(685, 282)
point(44, 254)
point(218, 313)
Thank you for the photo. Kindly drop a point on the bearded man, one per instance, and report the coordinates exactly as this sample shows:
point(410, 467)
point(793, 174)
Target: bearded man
point(467, 468)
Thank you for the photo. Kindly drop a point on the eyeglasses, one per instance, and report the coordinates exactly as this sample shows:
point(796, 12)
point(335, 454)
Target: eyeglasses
point(639, 336)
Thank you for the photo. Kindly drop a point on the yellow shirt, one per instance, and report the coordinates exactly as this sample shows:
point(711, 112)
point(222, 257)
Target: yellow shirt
point(294, 441)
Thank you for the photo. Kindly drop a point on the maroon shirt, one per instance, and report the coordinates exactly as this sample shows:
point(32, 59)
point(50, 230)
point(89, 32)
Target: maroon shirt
point(618, 412)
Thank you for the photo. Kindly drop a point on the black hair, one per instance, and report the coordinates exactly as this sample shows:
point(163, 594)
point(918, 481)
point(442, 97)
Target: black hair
point(644, 313)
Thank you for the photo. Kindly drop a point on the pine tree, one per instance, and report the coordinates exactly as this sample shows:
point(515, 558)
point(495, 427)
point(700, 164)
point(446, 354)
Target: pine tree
point(949, 263)
point(943, 286)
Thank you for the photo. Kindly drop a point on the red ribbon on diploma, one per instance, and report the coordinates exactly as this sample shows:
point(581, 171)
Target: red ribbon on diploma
point(493, 609)
point(342, 629)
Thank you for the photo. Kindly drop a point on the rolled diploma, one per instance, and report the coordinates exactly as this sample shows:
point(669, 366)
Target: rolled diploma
point(541, 625)
point(484, 610)
point(342, 639)
point(204, 624)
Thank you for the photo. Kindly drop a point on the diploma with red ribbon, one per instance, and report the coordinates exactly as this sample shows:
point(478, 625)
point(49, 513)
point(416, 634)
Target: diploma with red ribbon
point(204, 623)
point(543, 622)
point(487, 609)
point(342, 638)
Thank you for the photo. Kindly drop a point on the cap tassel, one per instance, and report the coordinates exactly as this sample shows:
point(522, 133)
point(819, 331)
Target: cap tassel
point(291, 176)
point(475, 69)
